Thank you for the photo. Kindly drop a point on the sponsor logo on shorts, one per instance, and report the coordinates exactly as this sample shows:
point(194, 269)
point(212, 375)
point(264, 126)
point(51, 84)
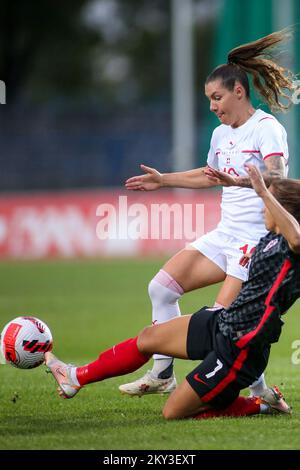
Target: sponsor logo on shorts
point(196, 377)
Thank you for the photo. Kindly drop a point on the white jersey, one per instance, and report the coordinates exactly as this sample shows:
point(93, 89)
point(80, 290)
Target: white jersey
point(231, 148)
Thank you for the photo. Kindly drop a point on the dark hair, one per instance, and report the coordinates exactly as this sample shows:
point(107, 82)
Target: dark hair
point(287, 192)
point(269, 78)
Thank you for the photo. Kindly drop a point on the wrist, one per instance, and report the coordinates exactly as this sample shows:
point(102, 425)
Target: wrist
point(163, 182)
point(264, 194)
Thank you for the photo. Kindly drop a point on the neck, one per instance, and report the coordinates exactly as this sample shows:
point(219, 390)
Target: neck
point(243, 116)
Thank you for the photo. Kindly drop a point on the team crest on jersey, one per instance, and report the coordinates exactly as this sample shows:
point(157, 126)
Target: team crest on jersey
point(270, 245)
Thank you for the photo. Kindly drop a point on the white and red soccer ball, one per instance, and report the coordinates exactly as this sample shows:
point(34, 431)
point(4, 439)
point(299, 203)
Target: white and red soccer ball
point(24, 342)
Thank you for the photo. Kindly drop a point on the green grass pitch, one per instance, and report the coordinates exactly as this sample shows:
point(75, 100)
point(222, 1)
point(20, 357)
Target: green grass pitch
point(89, 306)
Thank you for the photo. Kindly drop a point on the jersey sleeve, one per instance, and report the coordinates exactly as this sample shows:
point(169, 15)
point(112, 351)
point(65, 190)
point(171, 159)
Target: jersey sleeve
point(212, 157)
point(271, 138)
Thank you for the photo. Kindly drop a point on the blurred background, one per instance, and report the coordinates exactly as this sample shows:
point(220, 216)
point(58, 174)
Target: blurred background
point(93, 88)
point(96, 87)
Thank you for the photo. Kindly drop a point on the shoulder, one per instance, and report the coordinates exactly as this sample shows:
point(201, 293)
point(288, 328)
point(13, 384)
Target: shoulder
point(267, 121)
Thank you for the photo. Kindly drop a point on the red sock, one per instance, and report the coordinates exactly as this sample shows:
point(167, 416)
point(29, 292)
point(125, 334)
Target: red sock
point(242, 406)
point(121, 359)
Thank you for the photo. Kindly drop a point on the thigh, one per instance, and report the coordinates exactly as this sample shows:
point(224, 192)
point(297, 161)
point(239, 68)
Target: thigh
point(193, 270)
point(169, 338)
point(229, 291)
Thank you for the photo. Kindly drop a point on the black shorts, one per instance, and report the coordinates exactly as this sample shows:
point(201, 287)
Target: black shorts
point(225, 369)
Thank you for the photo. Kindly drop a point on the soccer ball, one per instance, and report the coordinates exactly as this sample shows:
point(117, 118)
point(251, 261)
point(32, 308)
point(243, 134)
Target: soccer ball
point(24, 342)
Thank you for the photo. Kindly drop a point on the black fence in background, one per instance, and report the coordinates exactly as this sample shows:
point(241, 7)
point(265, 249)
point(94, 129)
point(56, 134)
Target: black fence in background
point(71, 147)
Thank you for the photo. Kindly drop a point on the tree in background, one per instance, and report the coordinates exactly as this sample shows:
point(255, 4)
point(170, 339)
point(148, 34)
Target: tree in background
point(118, 51)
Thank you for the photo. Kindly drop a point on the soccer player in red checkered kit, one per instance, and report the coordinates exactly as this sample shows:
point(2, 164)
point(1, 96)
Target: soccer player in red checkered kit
point(233, 343)
point(245, 136)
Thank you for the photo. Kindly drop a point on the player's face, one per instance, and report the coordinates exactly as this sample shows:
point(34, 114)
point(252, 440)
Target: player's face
point(269, 221)
point(224, 103)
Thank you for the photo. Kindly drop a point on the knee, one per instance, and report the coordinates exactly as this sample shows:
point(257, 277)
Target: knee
point(169, 412)
point(144, 340)
point(159, 294)
point(154, 291)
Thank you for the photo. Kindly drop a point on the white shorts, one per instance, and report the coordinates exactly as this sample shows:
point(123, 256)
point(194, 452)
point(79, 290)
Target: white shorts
point(225, 251)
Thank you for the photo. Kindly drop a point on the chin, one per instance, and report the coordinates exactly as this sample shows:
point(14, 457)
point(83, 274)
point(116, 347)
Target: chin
point(226, 122)
point(268, 227)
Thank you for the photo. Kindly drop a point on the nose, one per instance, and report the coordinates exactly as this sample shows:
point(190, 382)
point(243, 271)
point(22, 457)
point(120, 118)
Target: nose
point(213, 107)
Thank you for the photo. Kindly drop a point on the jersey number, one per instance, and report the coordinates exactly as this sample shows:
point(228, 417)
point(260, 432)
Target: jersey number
point(218, 367)
point(245, 249)
point(231, 171)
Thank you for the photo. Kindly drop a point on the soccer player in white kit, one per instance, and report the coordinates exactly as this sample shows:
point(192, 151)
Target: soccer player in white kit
point(245, 136)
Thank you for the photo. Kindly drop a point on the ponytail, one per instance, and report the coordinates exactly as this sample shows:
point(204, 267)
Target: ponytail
point(271, 80)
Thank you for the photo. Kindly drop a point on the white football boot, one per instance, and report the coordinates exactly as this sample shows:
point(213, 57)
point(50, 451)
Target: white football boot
point(149, 384)
point(61, 372)
point(274, 398)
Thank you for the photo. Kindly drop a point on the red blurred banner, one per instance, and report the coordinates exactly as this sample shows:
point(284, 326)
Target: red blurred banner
point(104, 223)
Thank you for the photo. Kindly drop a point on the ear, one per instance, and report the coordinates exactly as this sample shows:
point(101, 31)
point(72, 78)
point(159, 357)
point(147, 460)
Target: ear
point(239, 91)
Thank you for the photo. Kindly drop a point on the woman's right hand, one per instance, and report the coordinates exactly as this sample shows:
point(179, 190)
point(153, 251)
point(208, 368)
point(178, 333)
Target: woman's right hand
point(257, 180)
point(151, 181)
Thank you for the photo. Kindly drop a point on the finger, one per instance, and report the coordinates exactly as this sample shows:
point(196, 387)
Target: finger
point(132, 186)
point(147, 169)
point(132, 183)
point(212, 170)
point(136, 188)
point(209, 173)
point(213, 178)
point(249, 167)
point(135, 179)
point(217, 172)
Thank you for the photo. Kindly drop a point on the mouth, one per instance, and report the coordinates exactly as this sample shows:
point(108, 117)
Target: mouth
point(220, 115)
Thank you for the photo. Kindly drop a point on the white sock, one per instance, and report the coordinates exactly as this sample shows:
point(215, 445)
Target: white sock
point(162, 368)
point(164, 293)
point(258, 387)
point(264, 409)
point(73, 376)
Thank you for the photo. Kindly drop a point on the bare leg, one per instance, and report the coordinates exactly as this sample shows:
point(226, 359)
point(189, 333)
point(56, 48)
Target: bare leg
point(183, 402)
point(167, 338)
point(192, 270)
point(229, 291)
